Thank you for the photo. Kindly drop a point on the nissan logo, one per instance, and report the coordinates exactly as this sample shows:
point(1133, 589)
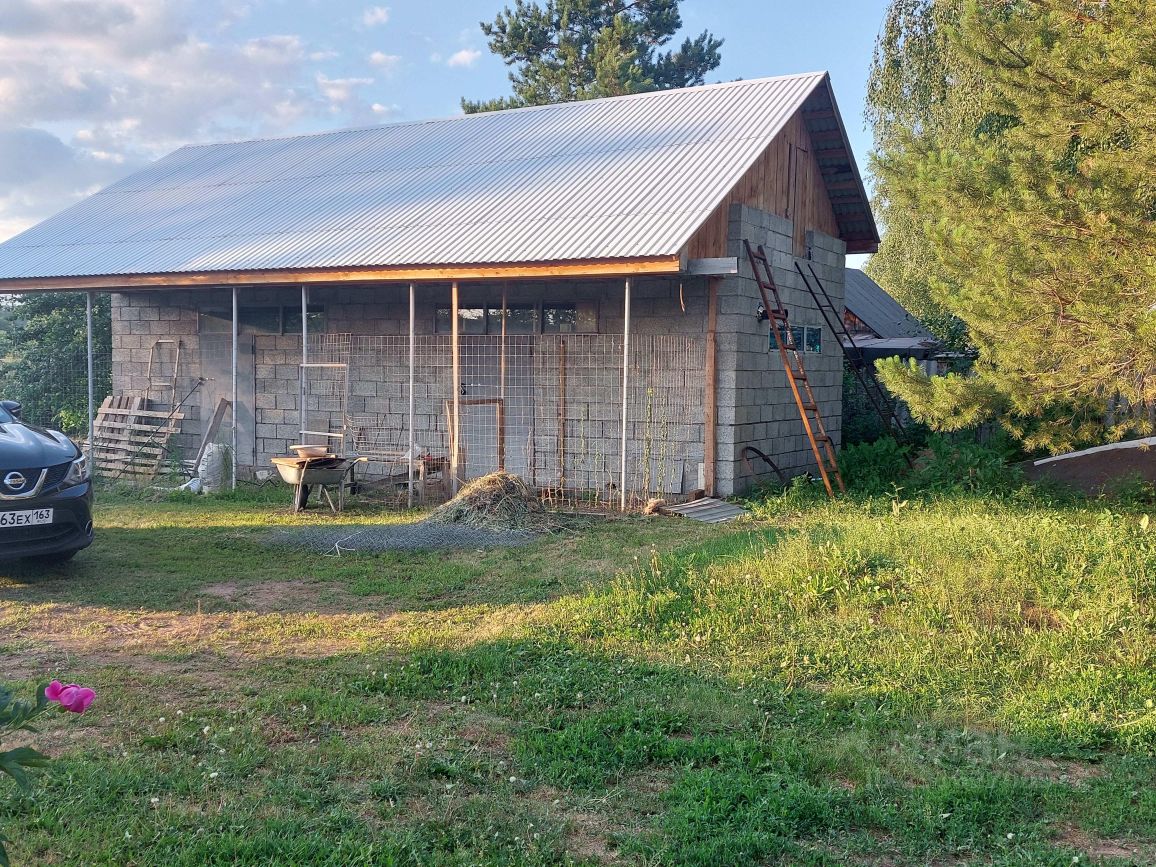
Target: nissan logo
point(15, 481)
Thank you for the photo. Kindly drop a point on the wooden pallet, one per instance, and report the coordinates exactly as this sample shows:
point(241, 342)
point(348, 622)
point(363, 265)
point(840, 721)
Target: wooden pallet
point(129, 439)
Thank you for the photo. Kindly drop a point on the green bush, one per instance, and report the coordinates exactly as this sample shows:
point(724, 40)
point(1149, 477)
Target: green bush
point(950, 463)
point(875, 467)
point(959, 463)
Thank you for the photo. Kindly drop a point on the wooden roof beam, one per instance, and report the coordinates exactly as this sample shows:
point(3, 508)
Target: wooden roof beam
point(393, 274)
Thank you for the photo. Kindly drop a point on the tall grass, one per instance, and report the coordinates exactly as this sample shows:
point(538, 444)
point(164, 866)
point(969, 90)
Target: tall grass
point(1010, 613)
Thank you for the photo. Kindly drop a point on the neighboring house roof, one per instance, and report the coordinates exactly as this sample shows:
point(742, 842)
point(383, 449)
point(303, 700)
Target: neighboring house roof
point(882, 347)
point(879, 311)
point(609, 179)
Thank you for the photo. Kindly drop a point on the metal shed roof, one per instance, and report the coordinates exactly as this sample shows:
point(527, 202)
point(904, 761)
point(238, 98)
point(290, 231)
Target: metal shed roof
point(618, 178)
point(879, 311)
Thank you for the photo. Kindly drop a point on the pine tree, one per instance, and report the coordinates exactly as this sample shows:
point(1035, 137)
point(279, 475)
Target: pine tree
point(1041, 221)
point(917, 86)
point(566, 50)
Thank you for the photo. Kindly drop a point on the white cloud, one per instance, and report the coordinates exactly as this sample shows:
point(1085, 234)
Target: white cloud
point(37, 168)
point(339, 91)
point(465, 57)
point(91, 89)
point(375, 16)
point(385, 110)
point(387, 62)
point(274, 49)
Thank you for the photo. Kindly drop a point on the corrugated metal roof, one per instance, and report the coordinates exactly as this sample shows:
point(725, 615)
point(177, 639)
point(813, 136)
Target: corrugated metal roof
point(878, 310)
point(626, 177)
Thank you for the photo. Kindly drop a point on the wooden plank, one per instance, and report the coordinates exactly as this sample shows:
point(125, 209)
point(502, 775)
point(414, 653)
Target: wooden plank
point(124, 464)
point(128, 429)
point(144, 413)
point(401, 273)
point(103, 442)
point(119, 426)
point(501, 413)
point(115, 453)
point(768, 186)
point(211, 430)
point(113, 442)
point(122, 461)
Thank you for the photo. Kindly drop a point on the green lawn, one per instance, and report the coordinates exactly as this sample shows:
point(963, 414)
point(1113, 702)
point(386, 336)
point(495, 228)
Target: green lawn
point(951, 681)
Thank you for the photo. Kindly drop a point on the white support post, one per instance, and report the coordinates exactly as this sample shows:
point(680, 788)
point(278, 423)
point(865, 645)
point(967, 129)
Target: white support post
point(304, 354)
point(625, 392)
point(91, 408)
point(501, 420)
point(233, 433)
point(412, 359)
point(455, 441)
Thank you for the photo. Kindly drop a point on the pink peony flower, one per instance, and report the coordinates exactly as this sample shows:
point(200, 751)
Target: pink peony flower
point(72, 697)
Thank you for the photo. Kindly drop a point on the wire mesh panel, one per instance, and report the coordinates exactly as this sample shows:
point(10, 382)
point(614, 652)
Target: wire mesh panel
point(325, 390)
point(665, 417)
point(496, 404)
point(546, 407)
point(578, 417)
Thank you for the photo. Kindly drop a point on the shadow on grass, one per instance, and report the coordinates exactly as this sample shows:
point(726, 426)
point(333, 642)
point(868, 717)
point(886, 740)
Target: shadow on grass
point(222, 567)
point(653, 764)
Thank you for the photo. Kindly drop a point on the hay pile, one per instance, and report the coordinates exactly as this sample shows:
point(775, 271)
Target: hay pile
point(499, 501)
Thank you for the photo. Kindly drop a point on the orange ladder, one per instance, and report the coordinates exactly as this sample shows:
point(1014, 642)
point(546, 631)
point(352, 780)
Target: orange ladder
point(821, 444)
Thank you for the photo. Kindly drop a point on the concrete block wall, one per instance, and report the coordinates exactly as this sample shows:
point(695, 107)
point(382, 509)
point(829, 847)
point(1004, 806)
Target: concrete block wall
point(755, 404)
point(660, 306)
point(141, 319)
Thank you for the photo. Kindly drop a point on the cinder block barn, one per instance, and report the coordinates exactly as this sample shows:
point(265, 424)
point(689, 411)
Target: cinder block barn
point(561, 291)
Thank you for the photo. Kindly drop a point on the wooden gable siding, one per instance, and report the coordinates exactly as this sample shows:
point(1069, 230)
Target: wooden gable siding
point(767, 186)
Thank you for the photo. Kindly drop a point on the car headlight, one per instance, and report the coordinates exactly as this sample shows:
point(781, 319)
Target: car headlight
point(77, 472)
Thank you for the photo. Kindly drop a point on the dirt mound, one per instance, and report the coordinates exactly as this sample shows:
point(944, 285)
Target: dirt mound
point(499, 501)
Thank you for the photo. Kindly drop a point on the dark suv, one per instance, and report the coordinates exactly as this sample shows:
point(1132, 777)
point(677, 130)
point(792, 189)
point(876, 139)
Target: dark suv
point(45, 492)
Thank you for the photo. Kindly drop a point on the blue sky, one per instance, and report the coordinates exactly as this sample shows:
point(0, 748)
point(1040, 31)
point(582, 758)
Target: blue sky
point(92, 89)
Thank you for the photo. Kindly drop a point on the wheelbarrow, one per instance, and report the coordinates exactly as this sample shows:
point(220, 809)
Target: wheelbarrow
point(329, 473)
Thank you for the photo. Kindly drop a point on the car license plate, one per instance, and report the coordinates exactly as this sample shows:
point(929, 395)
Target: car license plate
point(27, 518)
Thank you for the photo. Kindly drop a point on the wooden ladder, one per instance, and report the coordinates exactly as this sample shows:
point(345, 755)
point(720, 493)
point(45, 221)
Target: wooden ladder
point(821, 445)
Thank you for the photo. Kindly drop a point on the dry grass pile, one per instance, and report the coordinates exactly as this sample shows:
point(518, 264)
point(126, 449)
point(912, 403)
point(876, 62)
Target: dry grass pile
point(499, 501)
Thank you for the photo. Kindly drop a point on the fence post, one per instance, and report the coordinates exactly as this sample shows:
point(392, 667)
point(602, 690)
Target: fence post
point(233, 433)
point(91, 410)
point(455, 442)
point(625, 391)
point(304, 353)
point(412, 356)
